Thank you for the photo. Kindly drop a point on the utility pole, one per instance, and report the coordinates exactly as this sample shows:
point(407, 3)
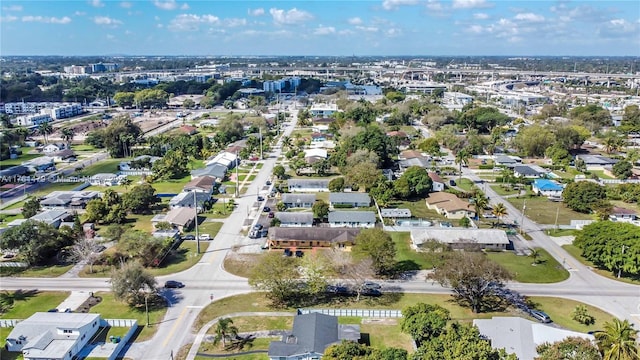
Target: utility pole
point(237, 178)
point(146, 306)
point(557, 213)
point(195, 205)
point(621, 260)
point(524, 207)
point(260, 129)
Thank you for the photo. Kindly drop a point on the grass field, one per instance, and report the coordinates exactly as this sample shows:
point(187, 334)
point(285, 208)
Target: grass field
point(418, 209)
point(543, 211)
point(104, 166)
point(29, 302)
point(560, 312)
point(577, 254)
point(548, 270)
point(4, 164)
point(255, 344)
point(504, 190)
point(465, 184)
point(38, 271)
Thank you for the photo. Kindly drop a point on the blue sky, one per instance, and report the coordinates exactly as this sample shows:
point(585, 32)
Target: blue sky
point(352, 27)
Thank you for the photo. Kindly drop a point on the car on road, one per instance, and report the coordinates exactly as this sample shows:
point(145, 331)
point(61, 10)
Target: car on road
point(371, 292)
point(371, 285)
point(266, 209)
point(260, 198)
point(271, 214)
point(204, 237)
point(268, 182)
point(189, 237)
point(540, 316)
point(258, 226)
point(172, 284)
point(452, 182)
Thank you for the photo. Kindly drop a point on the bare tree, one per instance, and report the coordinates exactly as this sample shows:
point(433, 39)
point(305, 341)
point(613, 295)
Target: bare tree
point(82, 251)
point(355, 272)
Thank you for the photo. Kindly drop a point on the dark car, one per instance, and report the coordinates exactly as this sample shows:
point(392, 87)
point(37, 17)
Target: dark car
point(338, 290)
point(371, 285)
point(452, 182)
point(189, 237)
point(299, 253)
point(260, 198)
point(172, 284)
point(268, 183)
point(266, 209)
point(371, 292)
point(288, 252)
point(271, 214)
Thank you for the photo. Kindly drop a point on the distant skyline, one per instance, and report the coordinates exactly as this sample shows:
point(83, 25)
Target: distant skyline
point(340, 28)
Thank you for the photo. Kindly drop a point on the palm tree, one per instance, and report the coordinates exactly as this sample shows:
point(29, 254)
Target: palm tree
point(225, 330)
point(618, 340)
point(45, 129)
point(633, 155)
point(22, 133)
point(67, 135)
point(499, 210)
point(535, 255)
point(462, 158)
point(480, 202)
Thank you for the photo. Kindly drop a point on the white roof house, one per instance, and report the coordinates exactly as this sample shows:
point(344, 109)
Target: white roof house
point(320, 153)
point(47, 335)
point(458, 237)
point(225, 158)
point(521, 336)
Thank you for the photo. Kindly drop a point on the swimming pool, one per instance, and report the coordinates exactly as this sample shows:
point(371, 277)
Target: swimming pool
point(414, 223)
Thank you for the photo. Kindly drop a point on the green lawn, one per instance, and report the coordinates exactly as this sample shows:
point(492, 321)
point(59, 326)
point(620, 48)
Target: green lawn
point(560, 312)
point(173, 186)
point(418, 209)
point(522, 270)
point(543, 211)
point(601, 174)
point(16, 205)
point(58, 186)
point(38, 271)
point(4, 164)
point(103, 166)
point(504, 190)
point(256, 344)
point(577, 254)
point(207, 227)
point(110, 308)
point(561, 232)
point(465, 184)
point(83, 147)
point(31, 301)
point(407, 258)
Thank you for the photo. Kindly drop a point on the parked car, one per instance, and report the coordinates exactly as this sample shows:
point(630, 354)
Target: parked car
point(258, 226)
point(268, 182)
point(172, 284)
point(205, 237)
point(266, 209)
point(260, 198)
point(288, 252)
point(452, 182)
point(540, 316)
point(299, 253)
point(371, 292)
point(271, 214)
point(189, 237)
point(371, 285)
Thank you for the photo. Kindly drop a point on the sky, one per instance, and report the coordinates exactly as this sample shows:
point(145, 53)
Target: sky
point(339, 28)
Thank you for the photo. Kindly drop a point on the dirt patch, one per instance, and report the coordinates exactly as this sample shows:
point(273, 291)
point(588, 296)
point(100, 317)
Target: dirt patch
point(89, 303)
point(240, 264)
point(380, 321)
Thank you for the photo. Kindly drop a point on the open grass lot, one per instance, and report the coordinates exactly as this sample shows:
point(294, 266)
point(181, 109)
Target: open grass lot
point(543, 211)
point(36, 271)
point(208, 227)
point(28, 302)
point(504, 190)
point(4, 164)
point(58, 186)
point(110, 308)
point(385, 336)
point(255, 344)
point(560, 312)
point(140, 222)
point(172, 186)
point(104, 166)
point(522, 270)
point(577, 254)
point(83, 147)
point(240, 264)
point(256, 323)
point(407, 258)
point(13, 206)
point(601, 174)
point(418, 209)
point(465, 184)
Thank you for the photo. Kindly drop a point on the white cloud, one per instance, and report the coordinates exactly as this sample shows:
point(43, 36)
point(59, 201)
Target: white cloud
point(166, 4)
point(110, 37)
point(234, 22)
point(393, 32)
point(12, 8)
point(434, 5)
point(476, 29)
point(8, 18)
point(191, 22)
point(355, 21)
point(394, 4)
point(293, 16)
point(156, 18)
point(367, 28)
point(530, 17)
point(47, 20)
point(470, 4)
point(105, 20)
point(184, 6)
point(126, 5)
point(480, 16)
point(96, 3)
point(256, 12)
point(324, 30)
point(618, 28)
point(79, 13)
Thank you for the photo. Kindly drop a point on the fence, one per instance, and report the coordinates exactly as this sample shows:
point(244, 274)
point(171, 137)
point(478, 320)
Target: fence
point(355, 312)
point(120, 322)
point(8, 323)
point(133, 327)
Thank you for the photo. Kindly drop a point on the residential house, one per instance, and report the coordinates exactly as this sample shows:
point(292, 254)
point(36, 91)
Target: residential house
point(623, 214)
point(529, 171)
point(322, 110)
point(308, 185)
point(295, 219)
point(40, 164)
point(504, 160)
point(180, 218)
point(546, 187)
point(402, 138)
point(48, 335)
point(349, 199)
point(437, 184)
point(54, 148)
point(456, 238)
point(596, 162)
point(450, 205)
point(68, 199)
point(188, 129)
point(298, 200)
point(320, 128)
point(395, 213)
point(225, 158)
point(521, 336)
point(311, 335)
point(13, 172)
point(215, 170)
point(187, 199)
point(201, 184)
point(52, 217)
point(322, 121)
point(66, 155)
point(127, 165)
point(308, 237)
point(313, 155)
point(354, 219)
point(319, 137)
point(106, 179)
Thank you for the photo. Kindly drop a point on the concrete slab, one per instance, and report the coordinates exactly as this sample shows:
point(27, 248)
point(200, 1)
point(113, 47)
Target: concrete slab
point(74, 300)
point(563, 240)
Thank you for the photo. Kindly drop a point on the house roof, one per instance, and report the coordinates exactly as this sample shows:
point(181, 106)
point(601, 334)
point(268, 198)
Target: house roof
point(309, 183)
point(66, 197)
point(215, 170)
point(622, 211)
point(171, 233)
point(435, 177)
point(503, 159)
point(547, 185)
point(66, 153)
point(312, 333)
point(526, 170)
point(334, 235)
point(596, 160)
point(188, 129)
point(352, 216)
point(14, 170)
point(104, 176)
point(522, 336)
point(410, 154)
point(322, 153)
point(295, 198)
point(180, 216)
point(43, 160)
point(349, 197)
point(185, 199)
point(395, 213)
point(295, 217)
point(201, 182)
point(416, 161)
point(460, 236)
point(448, 202)
point(50, 216)
point(397, 133)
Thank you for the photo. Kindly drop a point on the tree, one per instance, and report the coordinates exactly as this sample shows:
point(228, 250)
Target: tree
point(414, 182)
point(571, 348)
point(35, 241)
point(67, 135)
point(347, 350)
point(173, 165)
point(499, 211)
point(611, 245)
point(592, 116)
point(279, 171)
point(534, 140)
point(631, 119)
point(424, 321)
point(622, 169)
point(113, 232)
point(30, 207)
point(320, 210)
point(431, 146)
point(534, 254)
point(613, 142)
point(151, 98)
point(143, 246)
point(140, 199)
point(581, 315)
point(558, 155)
point(618, 340)
point(363, 175)
point(583, 196)
point(124, 99)
point(163, 225)
point(336, 185)
point(353, 270)
point(117, 138)
point(45, 129)
point(225, 330)
point(130, 283)
point(469, 275)
point(379, 247)
point(278, 276)
point(314, 271)
point(83, 251)
point(96, 210)
point(383, 192)
point(462, 159)
point(465, 222)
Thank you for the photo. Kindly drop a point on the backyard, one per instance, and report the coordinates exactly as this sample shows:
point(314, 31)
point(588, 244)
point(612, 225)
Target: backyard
point(542, 211)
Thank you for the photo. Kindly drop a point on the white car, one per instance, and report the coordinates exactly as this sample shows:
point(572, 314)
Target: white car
point(204, 237)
